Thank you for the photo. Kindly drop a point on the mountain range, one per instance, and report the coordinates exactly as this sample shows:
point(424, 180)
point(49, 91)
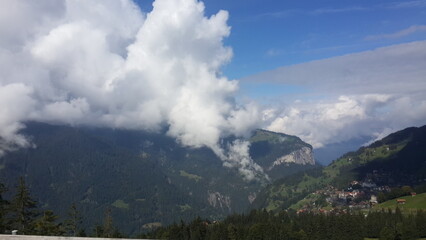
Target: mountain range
point(147, 179)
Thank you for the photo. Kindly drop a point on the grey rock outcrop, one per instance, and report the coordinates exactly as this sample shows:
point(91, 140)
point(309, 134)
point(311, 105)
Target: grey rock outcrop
point(303, 156)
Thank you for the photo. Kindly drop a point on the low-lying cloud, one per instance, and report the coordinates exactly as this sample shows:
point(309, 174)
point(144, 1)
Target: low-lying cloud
point(105, 63)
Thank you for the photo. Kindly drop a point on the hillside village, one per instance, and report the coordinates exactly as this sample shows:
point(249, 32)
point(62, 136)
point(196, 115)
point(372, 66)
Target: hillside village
point(357, 195)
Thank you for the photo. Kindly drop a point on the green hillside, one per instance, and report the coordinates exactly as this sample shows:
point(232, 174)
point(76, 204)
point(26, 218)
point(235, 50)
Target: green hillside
point(412, 203)
point(398, 159)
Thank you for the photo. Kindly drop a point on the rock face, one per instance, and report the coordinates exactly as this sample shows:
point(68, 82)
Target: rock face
point(303, 156)
point(217, 200)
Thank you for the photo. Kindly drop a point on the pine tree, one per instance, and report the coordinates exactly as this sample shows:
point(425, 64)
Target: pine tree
point(46, 225)
point(98, 231)
point(23, 209)
point(409, 230)
point(72, 224)
point(421, 223)
point(387, 234)
point(108, 227)
point(232, 232)
point(4, 204)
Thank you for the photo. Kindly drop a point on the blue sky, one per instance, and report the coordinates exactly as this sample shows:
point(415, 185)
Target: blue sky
point(267, 34)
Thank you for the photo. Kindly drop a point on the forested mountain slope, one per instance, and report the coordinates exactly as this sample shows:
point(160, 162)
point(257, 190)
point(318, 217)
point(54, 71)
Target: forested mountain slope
point(145, 178)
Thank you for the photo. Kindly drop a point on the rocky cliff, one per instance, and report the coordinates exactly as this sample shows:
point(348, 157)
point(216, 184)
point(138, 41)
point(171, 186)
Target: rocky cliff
point(303, 156)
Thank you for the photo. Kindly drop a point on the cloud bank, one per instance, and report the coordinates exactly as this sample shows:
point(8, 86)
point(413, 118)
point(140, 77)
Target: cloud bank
point(371, 93)
point(105, 63)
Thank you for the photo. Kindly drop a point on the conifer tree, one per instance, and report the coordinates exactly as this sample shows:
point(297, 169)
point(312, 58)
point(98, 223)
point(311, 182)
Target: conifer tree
point(46, 225)
point(232, 232)
point(23, 209)
point(387, 234)
point(108, 226)
point(421, 223)
point(4, 204)
point(72, 224)
point(98, 231)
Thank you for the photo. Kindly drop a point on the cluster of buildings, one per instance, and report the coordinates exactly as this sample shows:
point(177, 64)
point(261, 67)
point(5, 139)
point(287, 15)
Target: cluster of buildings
point(358, 195)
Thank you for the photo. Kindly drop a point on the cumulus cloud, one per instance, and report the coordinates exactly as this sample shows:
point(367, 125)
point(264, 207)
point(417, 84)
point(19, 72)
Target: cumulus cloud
point(15, 101)
point(328, 122)
point(367, 94)
point(105, 63)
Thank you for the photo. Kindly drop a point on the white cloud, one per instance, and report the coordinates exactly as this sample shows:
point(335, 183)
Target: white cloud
point(15, 102)
point(402, 33)
point(408, 4)
point(364, 94)
point(104, 62)
point(397, 69)
point(238, 157)
point(332, 121)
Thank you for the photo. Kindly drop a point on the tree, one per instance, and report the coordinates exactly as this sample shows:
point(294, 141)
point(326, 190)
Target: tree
point(300, 235)
point(387, 234)
point(381, 197)
point(23, 209)
point(4, 204)
point(421, 223)
point(108, 228)
point(256, 232)
point(232, 232)
point(409, 230)
point(72, 224)
point(98, 231)
point(407, 190)
point(46, 225)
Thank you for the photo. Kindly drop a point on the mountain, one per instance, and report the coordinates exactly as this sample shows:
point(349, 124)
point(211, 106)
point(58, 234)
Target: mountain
point(280, 154)
point(329, 152)
point(397, 160)
point(145, 178)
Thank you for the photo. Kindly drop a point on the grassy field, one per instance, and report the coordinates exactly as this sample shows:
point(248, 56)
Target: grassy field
point(120, 204)
point(190, 176)
point(411, 204)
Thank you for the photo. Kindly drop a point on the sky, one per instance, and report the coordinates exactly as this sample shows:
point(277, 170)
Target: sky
point(268, 34)
point(329, 71)
point(326, 71)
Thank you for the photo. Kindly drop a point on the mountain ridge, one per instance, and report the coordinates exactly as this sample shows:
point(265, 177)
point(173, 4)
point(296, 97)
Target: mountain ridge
point(149, 173)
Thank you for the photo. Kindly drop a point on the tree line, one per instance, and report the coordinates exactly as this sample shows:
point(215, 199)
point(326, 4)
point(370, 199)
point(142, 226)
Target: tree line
point(263, 225)
point(22, 213)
